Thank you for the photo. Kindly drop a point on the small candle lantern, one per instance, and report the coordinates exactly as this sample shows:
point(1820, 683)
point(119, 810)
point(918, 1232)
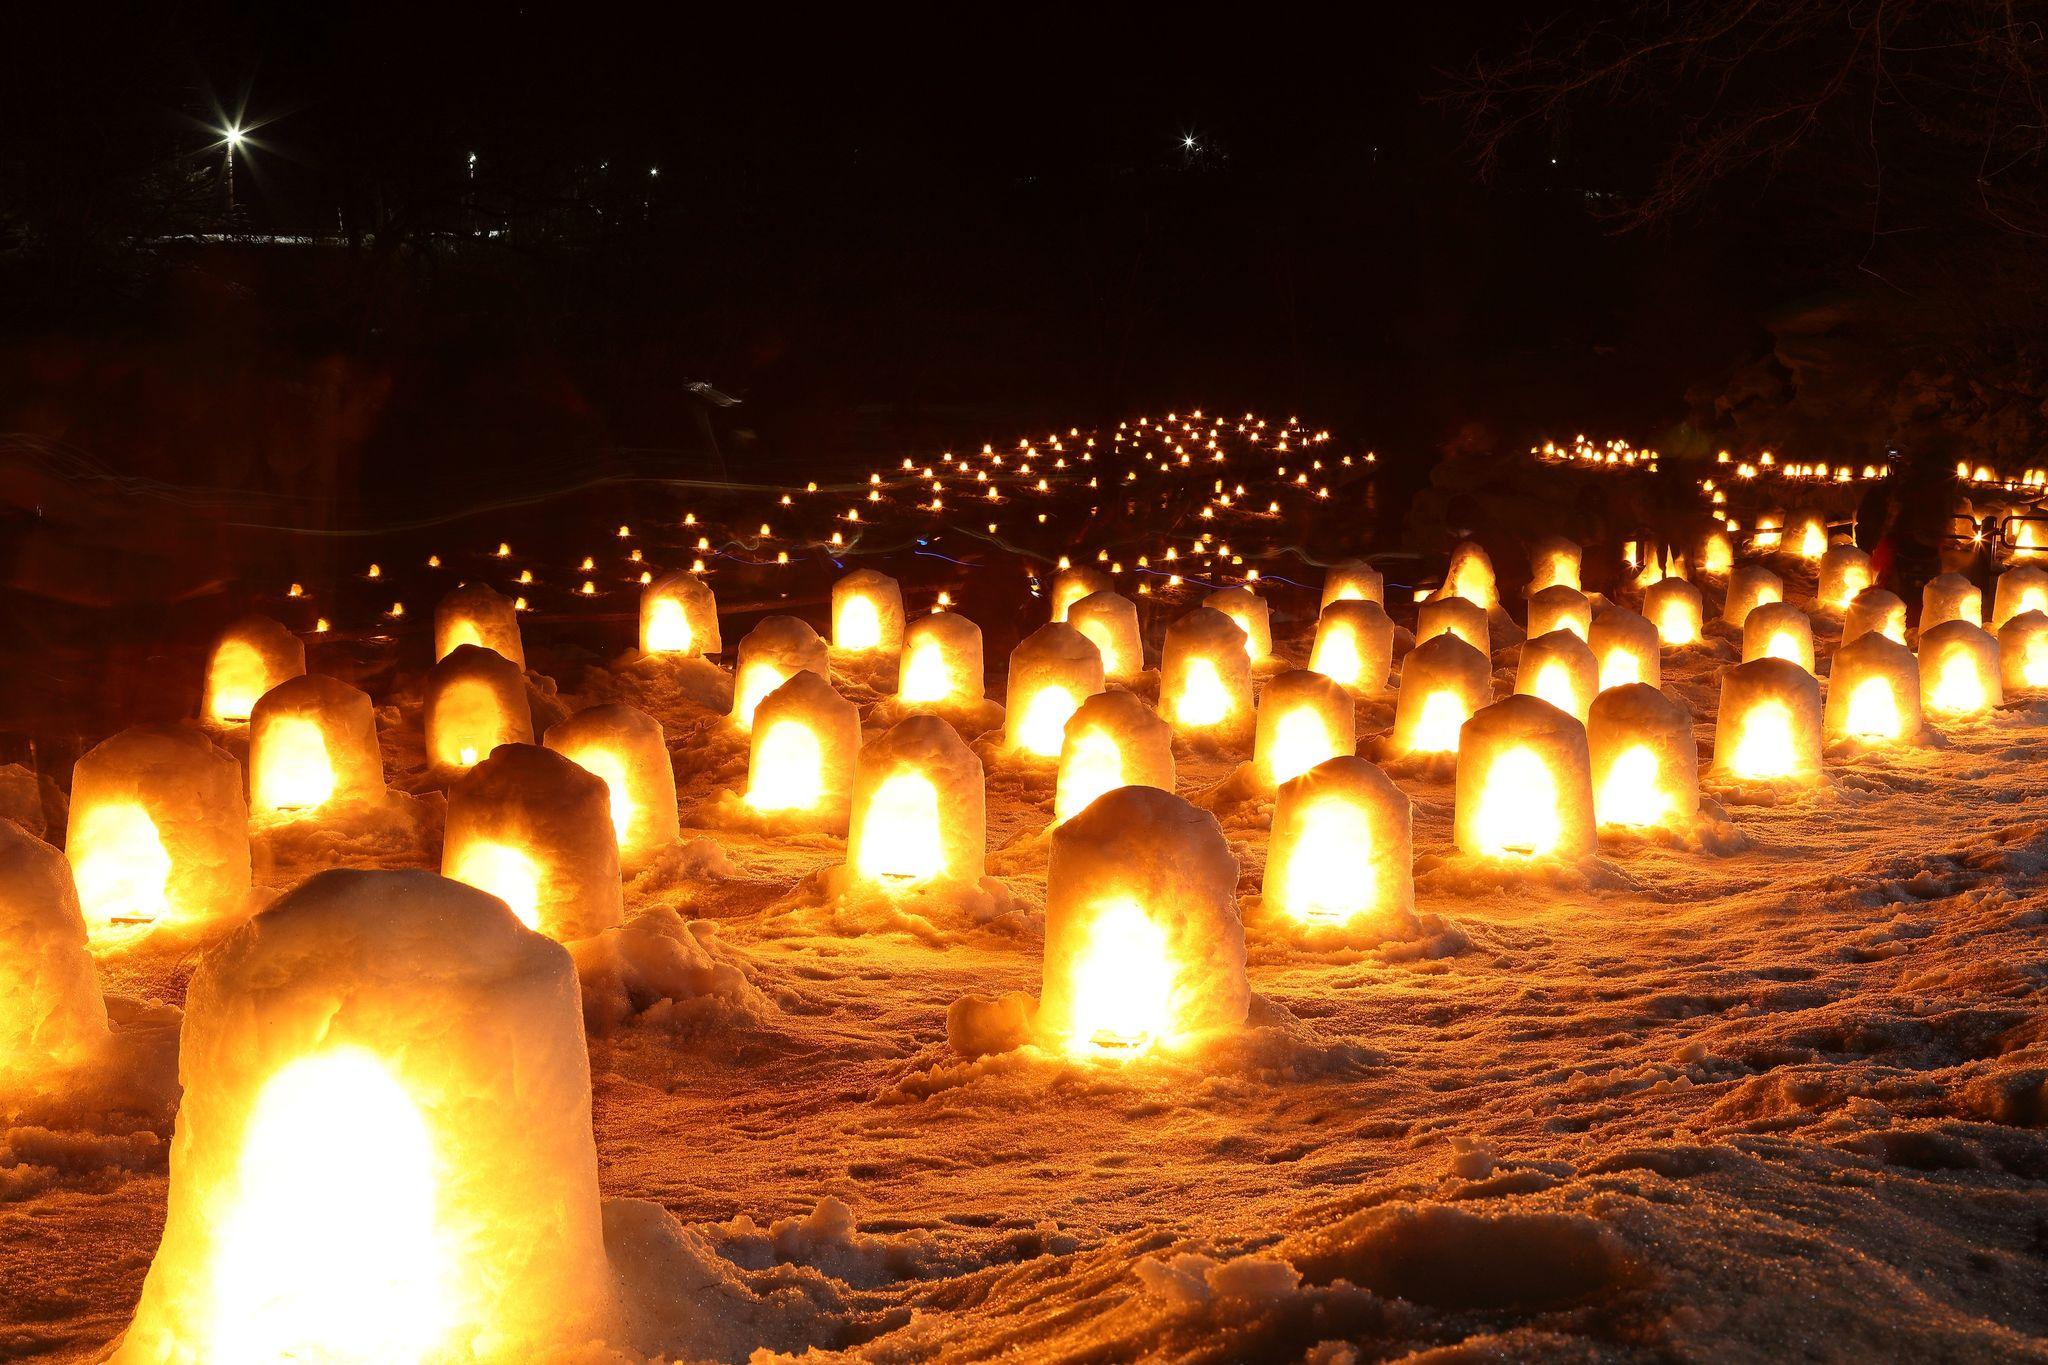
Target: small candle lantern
point(941, 668)
point(2021, 589)
point(1471, 576)
point(1443, 682)
point(475, 615)
point(1113, 740)
point(1205, 677)
point(52, 1016)
point(1778, 630)
point(1875, 610)
point(624, 747)
point(1768, 726)
point(1950, 597)
point(1959, 673)
point(313, 747)
point(805, 750)
point(1252, 615)
point(919, 809)
point(1110, 620)
point(1554, 563)
point(1560, 608)
point(1646, 768)
point(1071, 585)
point(2023, 652)
point(535, 830)
point(1143, 944)
point(1052, 671)
point(771, 654)
point(1560, 668)
point(1677, 609)
point(1749, 587)
point(1354, 646)
point(1809, 537)
point(1457, 616)
point(1873, 691)
point(679, 615)
point(1525, 783)
point(1304, 719)
point(1717, 553)
point(475, 701)
point(251, 656)
point(1353, 580)
point(1342, 847)
point(867, 613)
point(384, 1148)
point(1844, 572)
point(159, 831)
point(1627, 649)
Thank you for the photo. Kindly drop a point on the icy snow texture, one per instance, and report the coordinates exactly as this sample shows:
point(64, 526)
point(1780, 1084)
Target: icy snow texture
point(552, 820)
point(51, 1014)
point(1254, 616)
point(476, 614)
point(624, 747)
point(1111, 620)
point(1352, 580)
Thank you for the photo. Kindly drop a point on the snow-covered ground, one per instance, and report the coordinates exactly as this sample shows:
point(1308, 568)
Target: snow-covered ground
point(1775, 1093)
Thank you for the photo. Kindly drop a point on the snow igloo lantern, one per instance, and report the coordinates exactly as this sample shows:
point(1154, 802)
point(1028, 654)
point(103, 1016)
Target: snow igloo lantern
point(1875, 610)
point(804, 750)
point(1560, 608)
point(52, 1015)
point(1052, 671)
point(1143, 944)
point(1808, 537)
point(1304, 719)
point(624, 747)
point(1844, 572)
point(1342, 846)
point(1768, 725)
point(313, 747)
point(679, 615)
point(473, 614)
point(1352, 580)
point(1873, 691)
point(919, 809)
point(1959, 672)
point(1525, 783)
point(159, 830)
point(535, 830)
point(2021, 589)
point(1354, 646)
point(1778, 630)
point(475, 701)
point(1443, 682)
point(867, 613)
point(1950, 597)
point(1253, 616)
point(384, 1150)
point(1717, 553)
point(1459, 616)
point(1471, 576)
point(1205, 677)
point(1070, 585)
point(1646, 768)
point(1627, 649)
point(1749, 587)
point(941, 666)
point(1560, 668)
point(1554, 563)
point(1110, 621)
point(2023, 652)
point(1113, 740)
point(771, 654)
point(1677, 609)
point(251, 656)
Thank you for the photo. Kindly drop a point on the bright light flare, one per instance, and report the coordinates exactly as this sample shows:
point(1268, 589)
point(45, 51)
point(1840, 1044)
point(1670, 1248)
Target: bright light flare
point(504, 872)
point(900, 835)
point(1123, 983)
point(1518, 807)
point(1766, 748)
point(296, 774)
point(121, 867)
point(788, 772)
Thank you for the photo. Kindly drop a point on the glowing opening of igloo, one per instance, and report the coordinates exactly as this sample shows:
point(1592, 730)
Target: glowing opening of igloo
point(1525, 783)
point(803, 754)
point(1767, 727)
point(773, 652)
point(158, 832)
point(2024, 588)
point(1143, 943)
point(1443, 682)
point(1110, 621)
point(1304, 719)
point(1560, 608)
point(313, 747)
point(1471, 577)
point(1844, 572)
point(251, 656)
point(1873, 691)
point(1560, 668)
point(1254, 616)
point(1554, 562)
point(1778, 630)
point(1627, 648)
point(1354, 646)
point(1352, 580)
point(1205, 677)
point(535, 829)
point(919, 809)
point(475, 701)
point(941, 665)
point(1052, 671)
point(1113, 740)
point(1342, 846)
point(1677, 609)
point(1749, 587)
point(1646, 767)
point(1070, 585)
point(679, 615)
point(474, 614)
point(625, 748)
point(1959, 670)
point(867, 613)
point(384, 1150)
